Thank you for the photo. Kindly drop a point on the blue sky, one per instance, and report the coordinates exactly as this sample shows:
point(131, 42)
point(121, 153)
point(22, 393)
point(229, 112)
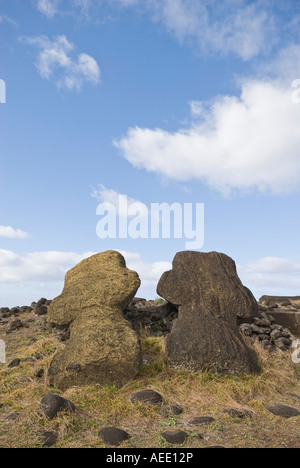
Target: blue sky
point(187, 101)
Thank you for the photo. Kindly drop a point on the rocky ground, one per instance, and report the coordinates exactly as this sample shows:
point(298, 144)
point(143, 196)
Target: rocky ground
point(189, 409)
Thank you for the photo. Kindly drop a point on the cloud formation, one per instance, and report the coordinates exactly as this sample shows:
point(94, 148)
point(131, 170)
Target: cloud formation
point(48, 8)
point(11, 233)
point(272, 276)
point(233, 143)
point(45, 271)
point(37, 266)
point(57, 57)
point(49, 267)
point(234, 27)
point(112, 197)
point(228, 27)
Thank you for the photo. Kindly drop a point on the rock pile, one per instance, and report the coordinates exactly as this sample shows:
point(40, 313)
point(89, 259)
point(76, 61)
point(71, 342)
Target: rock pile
point(157, 317)
point(271, 335)
point(285, 310)
point(39, 308)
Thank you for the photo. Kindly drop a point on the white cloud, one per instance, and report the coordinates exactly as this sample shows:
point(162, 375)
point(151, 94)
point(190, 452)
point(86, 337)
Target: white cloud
point(149, 272)
point(272, 276)
point(50, 267)
point(57, 56)
point(285, 65)
point(8, 20)
point(49, 8)
point(37, 266)
point(111, 196)
point(230, 26)
point(43, 274)
point(237, 143)
point(25, 278)
point(11, 233)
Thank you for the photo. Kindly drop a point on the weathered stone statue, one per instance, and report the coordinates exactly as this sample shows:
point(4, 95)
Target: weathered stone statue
point(103, 348)
point(210, 297)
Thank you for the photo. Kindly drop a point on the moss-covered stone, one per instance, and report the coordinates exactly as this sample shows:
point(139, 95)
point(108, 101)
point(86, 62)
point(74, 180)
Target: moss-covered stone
point(103, 348)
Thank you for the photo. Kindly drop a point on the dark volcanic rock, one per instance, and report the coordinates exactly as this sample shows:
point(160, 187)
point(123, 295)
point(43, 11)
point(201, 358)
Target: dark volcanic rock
point(210, 297)
point(272, 336)
point(202, 421)
point(113, 436)
point(41, 310)
point(52, 404)
point(5, 312)
point(175, 410)
point(41, 302)
point(267, 300)
point(15, 324)
point(48, 438)
point(14, 363)
point(284, 411)
point(156, 317)
point(175, 437)
point(150, 397)
point(238, 413)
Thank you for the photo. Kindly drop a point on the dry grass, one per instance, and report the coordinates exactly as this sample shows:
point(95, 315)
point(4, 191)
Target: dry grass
point(200, 394)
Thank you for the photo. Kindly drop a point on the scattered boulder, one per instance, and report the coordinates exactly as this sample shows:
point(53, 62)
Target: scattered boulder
point(102, 342)
point(171, 410)
point(5, 312)
point(14, 416)
point(15, 325)
point(29, 359)
point(113, 436)
point(40, 373)
point(267, 300)
point(210, 297)
point(14, 363)
point(52, 404)
point(149, 397)
point(284, 411)
point(238, 413)
point(175, 410)
point(41, 302)
point(41, 310)
point(175, 437)
point(48, 438)
point(201, 421)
